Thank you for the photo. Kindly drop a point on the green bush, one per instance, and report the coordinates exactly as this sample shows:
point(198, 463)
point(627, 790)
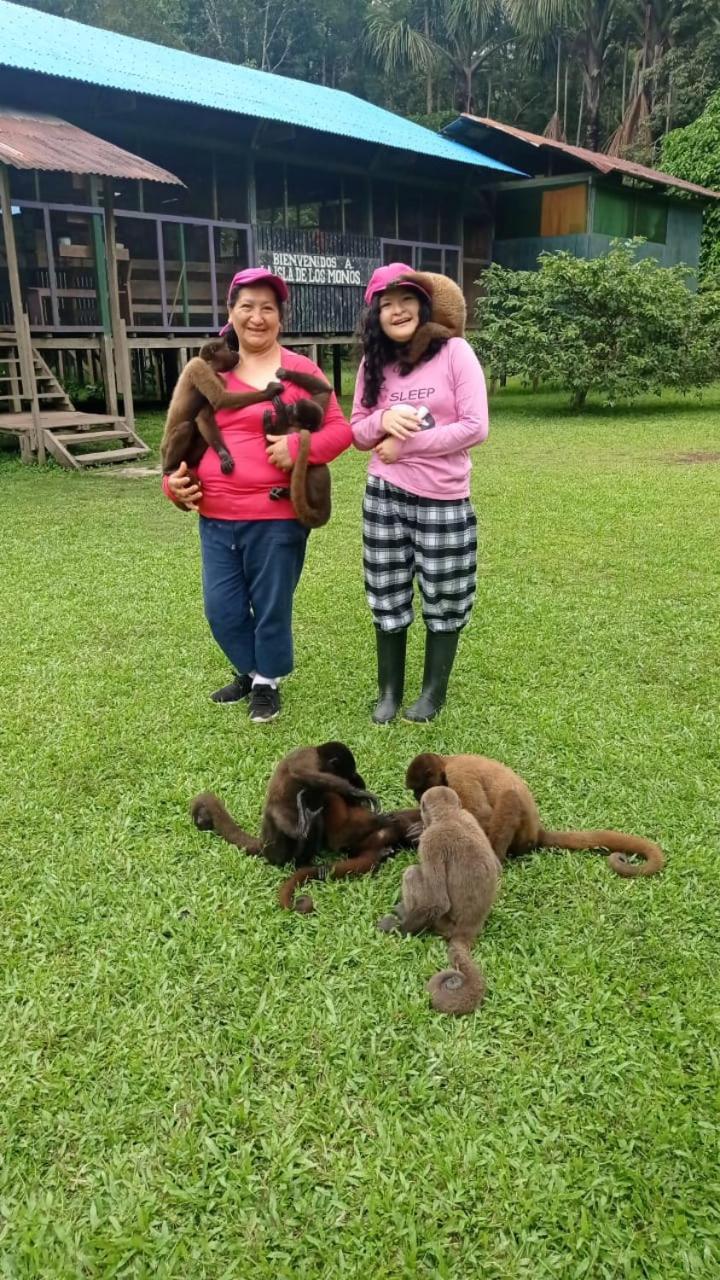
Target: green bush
point(619, 326)
point(693, 153)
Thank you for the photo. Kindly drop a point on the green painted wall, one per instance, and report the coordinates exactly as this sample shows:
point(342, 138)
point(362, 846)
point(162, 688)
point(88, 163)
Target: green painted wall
point(682, 227)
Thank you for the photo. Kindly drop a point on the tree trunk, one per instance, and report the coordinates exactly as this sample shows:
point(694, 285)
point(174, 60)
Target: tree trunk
point(468, 88)
point(428, 73)
point(579, 398)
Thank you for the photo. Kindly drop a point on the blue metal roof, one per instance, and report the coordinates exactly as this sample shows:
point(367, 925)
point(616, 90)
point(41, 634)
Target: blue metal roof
point(41, 42)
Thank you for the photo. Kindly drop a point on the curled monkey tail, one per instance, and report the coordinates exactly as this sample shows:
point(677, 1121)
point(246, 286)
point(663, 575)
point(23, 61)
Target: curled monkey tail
point(304, 905)
point(209, 814)
point(617, 842)
point(460, 989)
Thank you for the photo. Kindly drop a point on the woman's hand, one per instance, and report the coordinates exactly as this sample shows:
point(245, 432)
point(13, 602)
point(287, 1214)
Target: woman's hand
point(185, 488)
point(388, 450)
point(278, 452)
point(401, 423)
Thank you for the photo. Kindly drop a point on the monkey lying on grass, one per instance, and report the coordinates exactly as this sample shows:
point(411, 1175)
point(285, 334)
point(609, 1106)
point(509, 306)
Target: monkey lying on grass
point(450, 890)
point(190, 425)
point(315, 799)
point(506, 810)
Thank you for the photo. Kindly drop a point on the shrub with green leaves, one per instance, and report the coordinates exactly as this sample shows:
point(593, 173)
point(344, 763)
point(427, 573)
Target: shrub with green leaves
point(619, 326)
point(693, 153)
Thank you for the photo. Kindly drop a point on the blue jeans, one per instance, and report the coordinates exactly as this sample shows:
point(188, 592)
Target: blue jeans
point(250, 569)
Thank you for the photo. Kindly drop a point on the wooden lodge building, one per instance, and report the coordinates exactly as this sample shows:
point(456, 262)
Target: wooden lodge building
point(135, 179)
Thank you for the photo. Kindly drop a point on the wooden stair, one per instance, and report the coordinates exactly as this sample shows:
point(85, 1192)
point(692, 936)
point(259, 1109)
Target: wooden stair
point(72, 439)
point(67, 434)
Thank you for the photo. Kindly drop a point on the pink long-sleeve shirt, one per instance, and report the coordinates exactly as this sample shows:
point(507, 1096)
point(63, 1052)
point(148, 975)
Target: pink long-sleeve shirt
point(435, 462)
point(245, 493)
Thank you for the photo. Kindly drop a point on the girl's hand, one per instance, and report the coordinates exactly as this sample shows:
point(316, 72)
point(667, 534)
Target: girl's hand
point(388, 450)
point(278, 452)
point(184, 487)
point(401, 423)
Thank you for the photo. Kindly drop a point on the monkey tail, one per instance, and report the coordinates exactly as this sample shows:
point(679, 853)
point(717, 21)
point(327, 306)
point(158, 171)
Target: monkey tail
point(311, 517)
point(209, 814)
point(460, 989)
point(619, 845)
point(304, 905)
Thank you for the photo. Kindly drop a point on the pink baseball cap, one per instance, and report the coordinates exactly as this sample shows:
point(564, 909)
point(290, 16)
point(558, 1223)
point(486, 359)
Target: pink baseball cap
point(385, 277)
point(259, 275)
point(256, 275)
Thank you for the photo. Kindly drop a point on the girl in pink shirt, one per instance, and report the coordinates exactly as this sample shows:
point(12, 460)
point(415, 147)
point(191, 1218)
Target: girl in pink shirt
point(420, 421)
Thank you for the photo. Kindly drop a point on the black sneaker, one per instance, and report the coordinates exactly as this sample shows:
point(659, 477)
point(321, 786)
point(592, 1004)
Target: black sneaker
point(264, 703)
point(238, 689)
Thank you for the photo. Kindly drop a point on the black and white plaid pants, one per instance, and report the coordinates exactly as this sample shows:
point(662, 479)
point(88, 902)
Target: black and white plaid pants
point(405, 536)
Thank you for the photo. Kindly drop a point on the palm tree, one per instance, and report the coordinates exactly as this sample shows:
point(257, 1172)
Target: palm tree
point(591, 26)
point(431, 35)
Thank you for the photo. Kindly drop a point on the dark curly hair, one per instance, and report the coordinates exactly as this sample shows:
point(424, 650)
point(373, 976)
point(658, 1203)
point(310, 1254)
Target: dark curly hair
point(378, 350)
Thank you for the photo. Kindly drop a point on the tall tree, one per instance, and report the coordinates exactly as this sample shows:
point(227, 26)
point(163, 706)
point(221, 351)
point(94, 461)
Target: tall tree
point(432, 36)
point(591, 25)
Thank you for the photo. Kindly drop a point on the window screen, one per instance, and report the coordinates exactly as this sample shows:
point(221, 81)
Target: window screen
point(613, 213)
point(623, 214)
point(517, 214)
point(564, 211)
point(651, 220)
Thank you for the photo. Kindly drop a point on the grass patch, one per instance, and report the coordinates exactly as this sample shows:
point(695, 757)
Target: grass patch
point(198, 1085)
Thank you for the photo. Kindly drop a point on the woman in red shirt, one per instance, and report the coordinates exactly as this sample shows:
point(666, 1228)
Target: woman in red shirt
point(252, 547)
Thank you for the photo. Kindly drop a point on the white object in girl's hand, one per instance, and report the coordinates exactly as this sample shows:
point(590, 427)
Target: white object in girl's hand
point(425, 417)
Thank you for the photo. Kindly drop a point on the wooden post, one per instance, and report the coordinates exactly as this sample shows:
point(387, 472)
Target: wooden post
point(123, 372)
point(108, 371)
point(337, 368)
point(125, 379)
point(99, 255)
point(26, 366)
point(24, 332)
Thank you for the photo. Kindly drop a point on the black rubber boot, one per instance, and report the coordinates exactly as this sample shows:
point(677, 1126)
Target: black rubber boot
point(440, 650)
point(391, 646)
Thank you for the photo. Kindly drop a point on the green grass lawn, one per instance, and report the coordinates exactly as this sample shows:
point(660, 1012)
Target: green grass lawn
point(195, 1084)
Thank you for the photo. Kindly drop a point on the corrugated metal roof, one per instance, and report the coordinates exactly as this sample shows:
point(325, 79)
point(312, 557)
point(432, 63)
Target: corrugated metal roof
point(595, 159)
point(44, 142)
point(36, 41)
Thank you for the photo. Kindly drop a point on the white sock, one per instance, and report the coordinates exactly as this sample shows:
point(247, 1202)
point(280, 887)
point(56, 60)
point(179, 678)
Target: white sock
point(257, 679)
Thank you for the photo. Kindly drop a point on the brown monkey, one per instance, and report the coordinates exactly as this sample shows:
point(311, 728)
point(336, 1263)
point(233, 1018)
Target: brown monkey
point(292, 823)
point(451, 890)
point(190, 425)
point(309, 489)
point(506, 810)
point(367, 838)
point(448, 311)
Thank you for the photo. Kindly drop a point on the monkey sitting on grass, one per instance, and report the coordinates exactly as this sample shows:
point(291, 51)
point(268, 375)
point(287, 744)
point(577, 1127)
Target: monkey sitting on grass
point(450, 890)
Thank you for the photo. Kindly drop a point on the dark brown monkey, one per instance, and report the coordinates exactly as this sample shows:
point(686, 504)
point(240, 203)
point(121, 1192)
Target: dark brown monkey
point(292, 823)
point(448, 311)
point(506, 810)
point(309, 489)
point(451, 890)
point(366, 838)
point(190, 425)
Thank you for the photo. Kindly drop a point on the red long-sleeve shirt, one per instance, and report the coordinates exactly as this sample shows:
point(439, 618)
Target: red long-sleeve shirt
point(245, 493)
